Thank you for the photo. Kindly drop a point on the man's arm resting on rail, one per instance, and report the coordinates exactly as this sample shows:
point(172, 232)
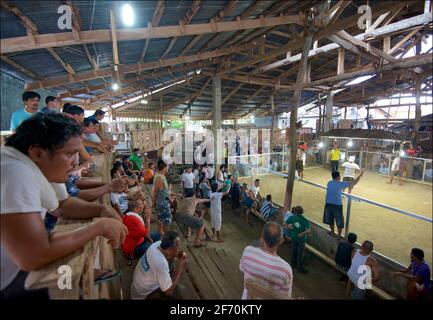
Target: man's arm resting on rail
point(30, 247)
point(75, 208)
point(115, 185)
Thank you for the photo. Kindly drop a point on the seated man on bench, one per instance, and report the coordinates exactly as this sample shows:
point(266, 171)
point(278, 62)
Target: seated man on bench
point(268, 210)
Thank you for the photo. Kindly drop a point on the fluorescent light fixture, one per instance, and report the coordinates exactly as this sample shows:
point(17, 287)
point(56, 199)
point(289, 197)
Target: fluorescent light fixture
point(115, 86)
point(144, 101)
point(359, 80)
point(320, 145)
point(350, 143)
point(198, 71)
point(127, 15)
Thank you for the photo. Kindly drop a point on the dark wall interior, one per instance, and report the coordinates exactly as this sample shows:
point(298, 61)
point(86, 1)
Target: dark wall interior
point(12, 89)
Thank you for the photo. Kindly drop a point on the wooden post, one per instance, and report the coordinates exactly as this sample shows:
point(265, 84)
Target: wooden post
point(161, 106)
point(345, 112)
point(319, 125)
point(272, 122)
point(340, 64)
point(294, 115)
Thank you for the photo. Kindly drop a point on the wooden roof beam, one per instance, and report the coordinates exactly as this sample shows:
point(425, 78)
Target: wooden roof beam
point(9, 45)
point(19, 67)
point(399, 26)
point(106, 72)
point(32, 31)
point(190, 15)
point(157, 15)
point(218, 17)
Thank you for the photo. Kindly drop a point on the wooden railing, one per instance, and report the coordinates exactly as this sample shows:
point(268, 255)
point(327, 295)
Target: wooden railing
point(147, 139)
point(81, 262)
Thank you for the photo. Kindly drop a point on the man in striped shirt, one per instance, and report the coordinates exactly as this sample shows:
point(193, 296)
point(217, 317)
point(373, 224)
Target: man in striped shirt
point(264, 266)
point(268, 211)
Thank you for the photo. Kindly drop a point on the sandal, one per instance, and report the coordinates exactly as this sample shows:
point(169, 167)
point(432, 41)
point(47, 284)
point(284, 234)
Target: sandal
point(200, 245)
point(106, 275)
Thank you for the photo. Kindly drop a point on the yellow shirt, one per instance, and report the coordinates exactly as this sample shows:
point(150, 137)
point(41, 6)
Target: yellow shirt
point(335, 154)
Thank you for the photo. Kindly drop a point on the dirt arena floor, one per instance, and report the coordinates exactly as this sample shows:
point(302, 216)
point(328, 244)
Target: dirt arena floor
point(393, 234)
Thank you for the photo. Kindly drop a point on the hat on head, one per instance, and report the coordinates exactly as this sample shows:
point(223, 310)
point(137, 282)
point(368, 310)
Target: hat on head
point(352, 159)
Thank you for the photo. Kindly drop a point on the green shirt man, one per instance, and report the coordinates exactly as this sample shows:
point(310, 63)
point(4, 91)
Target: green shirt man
point(136, 162)
point(299, 224)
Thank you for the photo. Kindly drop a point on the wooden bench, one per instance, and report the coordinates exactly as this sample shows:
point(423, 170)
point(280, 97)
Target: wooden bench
point(377, 291)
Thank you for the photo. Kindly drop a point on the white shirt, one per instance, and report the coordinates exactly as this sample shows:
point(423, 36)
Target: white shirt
point(215, 202)
point(120, 199)
point(350, 168)
point(255, 190)
point(23, 191)
point(188, 180)
point(211, 172)
point(395, 166)
point(152, 272)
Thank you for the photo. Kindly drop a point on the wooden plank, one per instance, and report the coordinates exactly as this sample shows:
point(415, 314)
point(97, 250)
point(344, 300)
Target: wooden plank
point(136, 67)
point(9, 45)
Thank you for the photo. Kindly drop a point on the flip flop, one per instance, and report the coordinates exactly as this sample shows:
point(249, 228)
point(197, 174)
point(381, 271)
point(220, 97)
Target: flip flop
point(106, 275)
point(201, 245)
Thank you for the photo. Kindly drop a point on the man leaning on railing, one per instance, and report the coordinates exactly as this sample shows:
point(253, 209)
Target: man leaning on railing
point(35, 164)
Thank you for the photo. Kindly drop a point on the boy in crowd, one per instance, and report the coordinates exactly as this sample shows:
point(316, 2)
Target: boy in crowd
point(343, 256)
point(215, 211)
point(299, 228)
point(119, 200)
point(149, 173)
point(417, 275)
point(135, 159)
point(268, 211)
point(52, 105)
point(187, 181)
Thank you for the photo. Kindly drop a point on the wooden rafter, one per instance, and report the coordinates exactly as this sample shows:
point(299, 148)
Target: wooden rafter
point(106, 72)
point(9, 45)
point(218, 17)
point(190, 15)
point(157, 15)
point(19, 67)
point(32, 32)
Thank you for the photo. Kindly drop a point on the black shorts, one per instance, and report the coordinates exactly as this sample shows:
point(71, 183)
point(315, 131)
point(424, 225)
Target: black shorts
point(189, 192)
point(349, 179)
point(333, 213)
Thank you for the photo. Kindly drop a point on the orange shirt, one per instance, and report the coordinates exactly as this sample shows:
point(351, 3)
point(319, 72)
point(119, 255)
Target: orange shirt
point(148, 175)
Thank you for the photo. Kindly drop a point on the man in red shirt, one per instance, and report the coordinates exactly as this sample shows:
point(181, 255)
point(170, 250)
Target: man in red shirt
point(139, 237)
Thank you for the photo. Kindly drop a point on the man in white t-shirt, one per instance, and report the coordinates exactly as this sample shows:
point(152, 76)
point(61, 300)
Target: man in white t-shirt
point(35, 163)
point(398, 166)
point(187, 180)
point(211, 172)
point(350, 170)
point(152, 279)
